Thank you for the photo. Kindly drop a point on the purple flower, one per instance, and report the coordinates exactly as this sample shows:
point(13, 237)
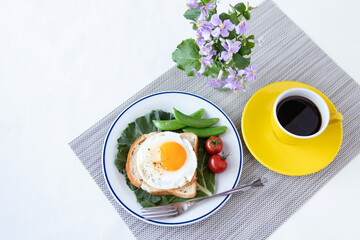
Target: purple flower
point(206, 61)
point(259, 41)
point(199, 38)
point(198, 74)
point(204, 29)
point(205, 10)
point(231, 48)
point(212, 53)
point(210, 6)
point(234, 80)
point(233, 74)
point(192, 3)
point(251, 72)
point(205, 49)
point(198, 33)
point(223, 27)
point(200, 41)
point(215, 83)
point(233, 85)
point(242, 27)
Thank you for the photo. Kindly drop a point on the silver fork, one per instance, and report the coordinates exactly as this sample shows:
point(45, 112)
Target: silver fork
point(178, 208)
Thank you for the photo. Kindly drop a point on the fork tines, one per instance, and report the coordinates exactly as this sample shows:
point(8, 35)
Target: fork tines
point(157, 212)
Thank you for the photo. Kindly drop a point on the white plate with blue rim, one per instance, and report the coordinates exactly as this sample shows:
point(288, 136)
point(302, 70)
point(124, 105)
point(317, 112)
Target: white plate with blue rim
point(186, 103)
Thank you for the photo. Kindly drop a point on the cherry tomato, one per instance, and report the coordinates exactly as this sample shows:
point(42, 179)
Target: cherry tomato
point(213, 145)
point(217, 164)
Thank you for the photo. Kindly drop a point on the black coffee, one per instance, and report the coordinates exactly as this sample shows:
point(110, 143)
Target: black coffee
point(299, 115)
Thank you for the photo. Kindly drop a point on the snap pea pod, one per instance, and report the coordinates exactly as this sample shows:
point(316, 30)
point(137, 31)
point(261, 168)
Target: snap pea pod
point(206, 132)
point(194, 122)
point(169, 125)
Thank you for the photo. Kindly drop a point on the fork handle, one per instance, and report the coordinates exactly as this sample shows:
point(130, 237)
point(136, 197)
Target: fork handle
point(258, 183)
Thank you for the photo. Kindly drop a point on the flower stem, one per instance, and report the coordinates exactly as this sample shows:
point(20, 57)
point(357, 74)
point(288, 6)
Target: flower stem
point(229, 61)
point(221, 72)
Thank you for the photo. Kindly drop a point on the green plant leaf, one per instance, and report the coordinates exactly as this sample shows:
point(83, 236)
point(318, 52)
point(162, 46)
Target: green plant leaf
point(234, 18)
point(144, 124)
point(224, 16)
point(232, 34)
point(247, 15)
point(250, 44)
point(187, 56)
point(214, 70)
point(240, 7)
point(192, 14)
point(240, 62)
point(244, 51)
point(251, 8)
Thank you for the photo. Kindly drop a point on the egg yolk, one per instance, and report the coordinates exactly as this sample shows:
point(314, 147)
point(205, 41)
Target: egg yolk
point(172, 156)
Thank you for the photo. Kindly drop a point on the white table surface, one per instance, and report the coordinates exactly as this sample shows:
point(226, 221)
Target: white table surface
point(66, 64)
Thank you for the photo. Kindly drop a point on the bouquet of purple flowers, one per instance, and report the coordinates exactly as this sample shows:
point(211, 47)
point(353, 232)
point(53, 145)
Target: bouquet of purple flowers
point(221, 47)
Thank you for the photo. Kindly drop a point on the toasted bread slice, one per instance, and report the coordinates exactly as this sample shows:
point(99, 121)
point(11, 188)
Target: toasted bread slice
point(187, 191)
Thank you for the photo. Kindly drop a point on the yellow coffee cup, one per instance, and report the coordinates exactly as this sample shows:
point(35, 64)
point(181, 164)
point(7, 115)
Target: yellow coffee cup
point(283, 133)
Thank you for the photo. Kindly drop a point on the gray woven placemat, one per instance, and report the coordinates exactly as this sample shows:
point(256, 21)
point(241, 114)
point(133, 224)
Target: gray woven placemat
point(288, 54)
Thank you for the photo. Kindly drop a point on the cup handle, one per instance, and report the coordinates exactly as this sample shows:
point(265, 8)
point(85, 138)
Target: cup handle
point(335, 117)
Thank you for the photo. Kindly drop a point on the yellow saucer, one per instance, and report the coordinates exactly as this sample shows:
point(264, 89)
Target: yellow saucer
point(294, 160)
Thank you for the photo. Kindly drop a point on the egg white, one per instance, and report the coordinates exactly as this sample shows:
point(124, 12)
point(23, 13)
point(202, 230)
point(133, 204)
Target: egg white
point(153, 174)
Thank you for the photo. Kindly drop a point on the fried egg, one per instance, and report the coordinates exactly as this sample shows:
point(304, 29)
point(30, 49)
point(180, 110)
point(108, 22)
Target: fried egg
point(166, 161)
